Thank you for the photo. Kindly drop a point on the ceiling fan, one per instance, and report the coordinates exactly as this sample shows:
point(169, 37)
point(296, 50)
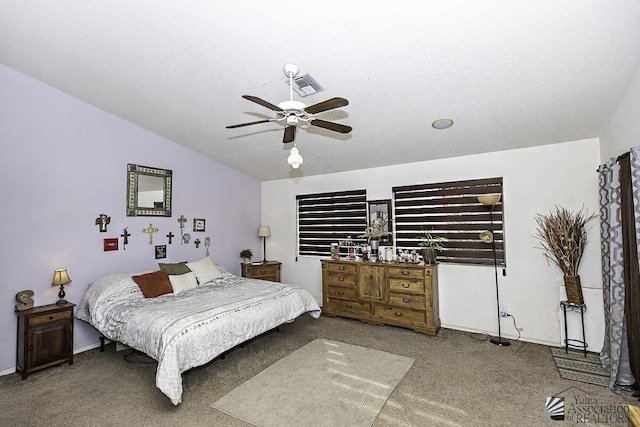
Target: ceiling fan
point(293, 113)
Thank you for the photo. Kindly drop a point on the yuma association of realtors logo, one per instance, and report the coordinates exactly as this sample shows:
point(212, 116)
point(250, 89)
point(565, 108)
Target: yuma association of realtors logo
point(554, 408)
point(580, 409)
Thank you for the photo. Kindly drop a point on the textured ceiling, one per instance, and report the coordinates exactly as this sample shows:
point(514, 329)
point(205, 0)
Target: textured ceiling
point(511, 74)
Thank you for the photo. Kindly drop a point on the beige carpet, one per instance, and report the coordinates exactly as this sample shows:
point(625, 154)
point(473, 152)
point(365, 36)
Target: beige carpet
point(324, 383)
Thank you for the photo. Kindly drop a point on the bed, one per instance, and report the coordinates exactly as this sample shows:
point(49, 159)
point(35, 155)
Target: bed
point(190, 328)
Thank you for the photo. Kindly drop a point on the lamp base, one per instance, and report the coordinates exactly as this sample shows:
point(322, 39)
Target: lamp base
point(502, 342)
point(61, 301)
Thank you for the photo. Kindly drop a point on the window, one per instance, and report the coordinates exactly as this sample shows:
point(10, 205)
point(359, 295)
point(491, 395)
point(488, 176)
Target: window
point(326, 218)
point(451, 210)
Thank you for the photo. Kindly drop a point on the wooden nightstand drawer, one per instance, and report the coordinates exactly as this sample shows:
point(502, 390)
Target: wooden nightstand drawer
point(269, 270)
point(46, 318)
point(406, 285)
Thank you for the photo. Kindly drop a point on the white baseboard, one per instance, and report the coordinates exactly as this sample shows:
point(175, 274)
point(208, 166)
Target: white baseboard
point(510, 337)
point(8, 371)
point(75, 351)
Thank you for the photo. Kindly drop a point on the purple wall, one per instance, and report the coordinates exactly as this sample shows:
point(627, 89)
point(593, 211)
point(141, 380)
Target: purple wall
point(62, 163)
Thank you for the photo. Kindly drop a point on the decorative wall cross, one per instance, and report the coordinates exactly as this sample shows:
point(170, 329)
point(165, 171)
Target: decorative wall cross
point(150, 230)
point(197, 243)
point(102, 222)
point(125, 238)
point(182, 220)
point(170, 236)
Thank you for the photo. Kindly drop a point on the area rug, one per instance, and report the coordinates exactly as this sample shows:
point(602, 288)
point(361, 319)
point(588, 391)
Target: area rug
point(324, 383)
point(574, 366)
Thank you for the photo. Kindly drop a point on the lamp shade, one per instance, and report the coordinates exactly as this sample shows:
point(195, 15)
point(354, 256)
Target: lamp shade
point(60, 277)
point(264, 231)
point(486, 236)
point(295, 159)
point(489, 199)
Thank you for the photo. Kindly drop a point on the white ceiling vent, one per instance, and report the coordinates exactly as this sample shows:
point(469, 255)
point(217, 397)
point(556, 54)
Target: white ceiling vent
point(305, 85)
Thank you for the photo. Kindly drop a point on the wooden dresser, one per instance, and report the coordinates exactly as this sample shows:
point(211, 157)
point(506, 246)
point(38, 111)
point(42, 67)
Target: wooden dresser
point(269, 270)
point(45, 337)
point(382, 293)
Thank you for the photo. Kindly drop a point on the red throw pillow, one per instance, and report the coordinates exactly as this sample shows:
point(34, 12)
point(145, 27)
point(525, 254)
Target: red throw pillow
point(154, 284)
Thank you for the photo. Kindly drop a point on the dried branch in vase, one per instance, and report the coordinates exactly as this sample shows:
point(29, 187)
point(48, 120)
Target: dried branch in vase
point(563, 235)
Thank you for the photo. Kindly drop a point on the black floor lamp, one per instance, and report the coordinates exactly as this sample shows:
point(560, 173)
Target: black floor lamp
point(490, 200)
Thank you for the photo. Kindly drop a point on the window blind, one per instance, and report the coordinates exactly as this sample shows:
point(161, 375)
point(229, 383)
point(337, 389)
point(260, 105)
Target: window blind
point(325, 218)
point(451, 210)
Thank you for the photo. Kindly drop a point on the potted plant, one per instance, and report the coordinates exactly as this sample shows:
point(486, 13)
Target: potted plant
point(374, 232)
point(246, 254)
point(431, 244)
point(563, 235)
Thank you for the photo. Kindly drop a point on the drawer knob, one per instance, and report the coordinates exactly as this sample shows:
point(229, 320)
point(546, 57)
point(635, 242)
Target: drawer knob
point(406, 300)
point(341, 268)
point(340, 279)
point(398, 314)
point(405, 273)
point(340, 292)
point(348, 306)
point(50, 317)
point(263, 271)
point(406, 285)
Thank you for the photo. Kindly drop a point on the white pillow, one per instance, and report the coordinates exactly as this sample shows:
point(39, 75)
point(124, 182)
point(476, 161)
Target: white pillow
point(183, 282)
point(205, 270)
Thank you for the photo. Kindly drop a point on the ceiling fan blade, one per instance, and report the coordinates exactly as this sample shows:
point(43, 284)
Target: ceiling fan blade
point(337, 127)
point(249, 123)
point(289, 134)
point(329, 104)
point(262, 102)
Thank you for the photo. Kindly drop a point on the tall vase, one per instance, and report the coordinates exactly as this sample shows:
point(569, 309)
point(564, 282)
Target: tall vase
point(374, 248)
point(574, 290)
point(429, 255)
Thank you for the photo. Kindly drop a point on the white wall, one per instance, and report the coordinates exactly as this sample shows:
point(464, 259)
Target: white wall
point(623, 128)
point(535, 179)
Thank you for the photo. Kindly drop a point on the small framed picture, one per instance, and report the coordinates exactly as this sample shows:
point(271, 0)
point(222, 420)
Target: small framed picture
point(379, 213)
point(198, 224)
point(161, 251)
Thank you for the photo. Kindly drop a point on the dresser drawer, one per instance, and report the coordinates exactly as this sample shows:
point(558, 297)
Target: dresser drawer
point(406, 285)
point(335, 279)
point(409, 273)
point(341, 293)
point(349, 307)
point(409, 301)
point(50, 317)
point(396, 314)
point(341, 268)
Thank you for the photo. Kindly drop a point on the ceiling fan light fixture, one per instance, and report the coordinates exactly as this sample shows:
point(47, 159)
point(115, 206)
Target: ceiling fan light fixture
point(442, 123)
point(295, 159)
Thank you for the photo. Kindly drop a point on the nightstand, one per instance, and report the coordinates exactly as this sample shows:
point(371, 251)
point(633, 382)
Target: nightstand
point(269, 270)
point(45, 337)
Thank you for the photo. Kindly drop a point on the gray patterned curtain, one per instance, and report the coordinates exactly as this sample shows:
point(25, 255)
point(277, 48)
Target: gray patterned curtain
point(615, 354)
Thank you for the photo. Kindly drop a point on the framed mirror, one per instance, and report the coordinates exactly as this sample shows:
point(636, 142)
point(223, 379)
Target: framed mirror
point(148, 191)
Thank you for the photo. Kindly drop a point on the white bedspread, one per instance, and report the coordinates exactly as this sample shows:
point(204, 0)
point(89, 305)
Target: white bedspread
point(192, 328)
